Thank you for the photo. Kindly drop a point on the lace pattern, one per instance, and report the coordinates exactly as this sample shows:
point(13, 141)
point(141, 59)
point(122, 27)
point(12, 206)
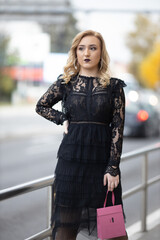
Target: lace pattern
point(112, 171)
point(84, 99)
point(117, 126)
point(44, 106)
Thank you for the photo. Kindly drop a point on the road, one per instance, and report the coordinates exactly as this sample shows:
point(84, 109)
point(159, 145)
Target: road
point(31, 154)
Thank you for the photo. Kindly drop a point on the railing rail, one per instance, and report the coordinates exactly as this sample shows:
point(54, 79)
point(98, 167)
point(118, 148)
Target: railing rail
point(26, 187)
point(48, 181)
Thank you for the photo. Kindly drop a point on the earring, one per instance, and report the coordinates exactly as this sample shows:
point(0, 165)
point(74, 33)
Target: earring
point(75, 63)
point(101, 64)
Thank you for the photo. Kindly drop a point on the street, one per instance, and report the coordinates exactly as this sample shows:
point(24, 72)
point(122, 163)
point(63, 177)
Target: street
point(32, 154)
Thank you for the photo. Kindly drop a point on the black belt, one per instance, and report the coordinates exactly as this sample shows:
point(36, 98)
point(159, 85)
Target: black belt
point(88, 122)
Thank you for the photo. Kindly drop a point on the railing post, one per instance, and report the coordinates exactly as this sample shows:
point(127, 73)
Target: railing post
point(144, 192)
point(50, 206)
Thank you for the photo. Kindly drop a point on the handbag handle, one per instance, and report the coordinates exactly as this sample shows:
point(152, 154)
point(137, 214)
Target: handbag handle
point(113, 199)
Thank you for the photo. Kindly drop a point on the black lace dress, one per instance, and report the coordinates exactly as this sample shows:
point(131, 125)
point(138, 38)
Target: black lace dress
point(91, 147)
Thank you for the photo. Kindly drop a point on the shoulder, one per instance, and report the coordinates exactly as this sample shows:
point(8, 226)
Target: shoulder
point(60, 79)
point(60, 82)
point(117, 83)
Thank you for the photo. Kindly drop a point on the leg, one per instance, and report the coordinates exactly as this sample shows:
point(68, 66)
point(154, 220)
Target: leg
point(66, 233)
point(69, 224)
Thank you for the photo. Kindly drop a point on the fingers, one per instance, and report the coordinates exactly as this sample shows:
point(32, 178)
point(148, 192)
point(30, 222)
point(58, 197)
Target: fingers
point(66, 123)
point(66, 131)
point(116, 183)
point(112, 185)
point(105, 180)
point(112, 181)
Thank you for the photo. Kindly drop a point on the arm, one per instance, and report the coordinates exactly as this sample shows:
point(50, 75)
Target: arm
point(53, 95)
point(112, 170)
point(117, 132)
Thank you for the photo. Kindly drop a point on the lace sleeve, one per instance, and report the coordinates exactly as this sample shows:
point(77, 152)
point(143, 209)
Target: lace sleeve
point(53, 95)
point(117, 127)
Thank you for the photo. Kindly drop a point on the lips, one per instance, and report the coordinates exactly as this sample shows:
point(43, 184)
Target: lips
point(87, 60)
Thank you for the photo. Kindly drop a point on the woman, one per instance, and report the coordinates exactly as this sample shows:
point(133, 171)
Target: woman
point(93, 119)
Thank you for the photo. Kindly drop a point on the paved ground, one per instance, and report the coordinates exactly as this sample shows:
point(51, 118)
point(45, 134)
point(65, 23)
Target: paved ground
point(153, 234)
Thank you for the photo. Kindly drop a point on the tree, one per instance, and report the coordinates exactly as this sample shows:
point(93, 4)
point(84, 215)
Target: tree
point(149, 68)
point(141, 42)
point(7, 58)
point(61, 33)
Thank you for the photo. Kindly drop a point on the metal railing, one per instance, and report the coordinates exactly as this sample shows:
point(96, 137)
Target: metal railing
point(48, 182)
point(30, 187)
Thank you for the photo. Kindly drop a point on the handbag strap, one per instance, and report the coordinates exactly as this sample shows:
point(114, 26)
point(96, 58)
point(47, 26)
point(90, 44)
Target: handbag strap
point(113, 199)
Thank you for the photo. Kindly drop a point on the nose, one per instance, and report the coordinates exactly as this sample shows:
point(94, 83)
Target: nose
point(86, 53)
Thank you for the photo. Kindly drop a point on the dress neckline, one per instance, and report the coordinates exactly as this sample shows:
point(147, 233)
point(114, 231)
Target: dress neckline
point(87, 77)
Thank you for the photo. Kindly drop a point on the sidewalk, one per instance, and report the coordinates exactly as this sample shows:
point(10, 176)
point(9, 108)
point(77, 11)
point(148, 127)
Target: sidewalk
point(152, 225)
point(153, 234)
point(23, 121)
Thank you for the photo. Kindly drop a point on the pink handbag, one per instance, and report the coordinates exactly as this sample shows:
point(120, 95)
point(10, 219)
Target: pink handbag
point(110, 221)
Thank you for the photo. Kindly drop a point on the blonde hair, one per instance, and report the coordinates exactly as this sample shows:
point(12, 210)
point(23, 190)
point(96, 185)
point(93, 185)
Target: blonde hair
point(71, 70)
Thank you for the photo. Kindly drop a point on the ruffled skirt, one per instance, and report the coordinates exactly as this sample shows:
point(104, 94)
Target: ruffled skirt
point(78, 188)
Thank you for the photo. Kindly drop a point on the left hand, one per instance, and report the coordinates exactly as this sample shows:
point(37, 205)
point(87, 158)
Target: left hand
point(66, 124)
point(112, 181)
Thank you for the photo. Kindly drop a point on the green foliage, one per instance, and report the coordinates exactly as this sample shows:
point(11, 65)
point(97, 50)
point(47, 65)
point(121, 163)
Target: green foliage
point(7, 58)
point(13, 58)
point(4, 41)
point(7, 85)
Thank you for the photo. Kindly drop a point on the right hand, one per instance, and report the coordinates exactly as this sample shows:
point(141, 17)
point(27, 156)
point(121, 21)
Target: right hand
point(66, 124)
point(111, 180)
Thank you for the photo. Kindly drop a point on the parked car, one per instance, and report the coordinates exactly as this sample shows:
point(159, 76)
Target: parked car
point(142, 119)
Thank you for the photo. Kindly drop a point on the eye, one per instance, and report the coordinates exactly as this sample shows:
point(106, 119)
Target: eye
point(80, 48)
point(93, 48)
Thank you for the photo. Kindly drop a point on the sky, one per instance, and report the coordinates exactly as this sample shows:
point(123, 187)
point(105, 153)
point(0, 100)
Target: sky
point(114, 26)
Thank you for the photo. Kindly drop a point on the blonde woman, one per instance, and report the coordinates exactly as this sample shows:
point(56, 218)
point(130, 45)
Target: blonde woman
point(89, 154)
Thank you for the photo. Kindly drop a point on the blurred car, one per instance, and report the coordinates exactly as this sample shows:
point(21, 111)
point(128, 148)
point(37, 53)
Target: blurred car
point(142, 118)
point(151, 97)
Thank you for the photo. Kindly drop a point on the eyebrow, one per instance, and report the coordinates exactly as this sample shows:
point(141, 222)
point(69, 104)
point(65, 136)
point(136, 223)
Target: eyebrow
point(89, 45)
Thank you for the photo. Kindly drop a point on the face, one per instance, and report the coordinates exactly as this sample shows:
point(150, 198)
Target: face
point(89, 53)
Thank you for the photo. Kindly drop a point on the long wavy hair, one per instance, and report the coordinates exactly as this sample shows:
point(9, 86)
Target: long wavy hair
point(72, 68)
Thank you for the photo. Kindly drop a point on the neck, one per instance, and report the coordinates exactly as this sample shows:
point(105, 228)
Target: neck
point(88, 73)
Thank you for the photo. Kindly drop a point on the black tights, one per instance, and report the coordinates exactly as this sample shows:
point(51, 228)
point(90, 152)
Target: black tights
point(70, 217)
point(71, 234)
point(66, 233)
